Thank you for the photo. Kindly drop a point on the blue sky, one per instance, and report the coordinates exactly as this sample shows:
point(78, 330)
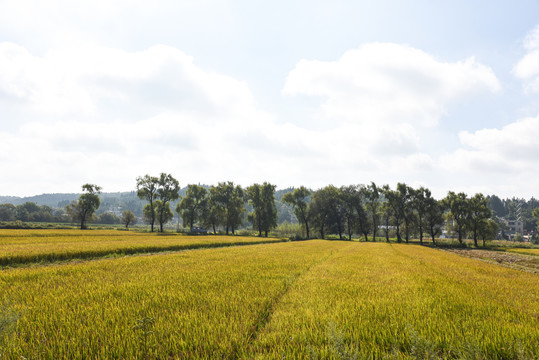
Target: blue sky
point(311, 93)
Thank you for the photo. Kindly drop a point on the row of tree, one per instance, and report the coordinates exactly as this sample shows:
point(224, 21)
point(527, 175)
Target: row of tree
point(355, 209)
point(221, 205)
point(368, 210)
point(30, 211)
point(348, 210)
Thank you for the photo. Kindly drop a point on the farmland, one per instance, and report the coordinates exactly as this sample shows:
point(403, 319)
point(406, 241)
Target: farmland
point(32, 246)
point(309, 299)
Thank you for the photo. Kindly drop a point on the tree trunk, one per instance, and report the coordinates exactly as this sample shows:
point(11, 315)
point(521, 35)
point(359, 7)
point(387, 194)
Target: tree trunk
point(307, 229)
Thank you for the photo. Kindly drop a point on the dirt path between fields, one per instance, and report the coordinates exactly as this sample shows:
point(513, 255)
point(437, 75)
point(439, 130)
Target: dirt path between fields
point(522, 262)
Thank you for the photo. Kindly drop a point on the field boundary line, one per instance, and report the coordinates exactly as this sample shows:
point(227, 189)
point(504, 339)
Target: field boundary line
point(264, 316)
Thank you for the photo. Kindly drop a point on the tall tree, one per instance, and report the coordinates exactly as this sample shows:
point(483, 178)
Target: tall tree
point(419, 200)
point(262, 199)
point(386, 211)
point(535, 214)
point(167, 190)
point(350, 197)
point(409, 212)
point(191, 206)
point(230, 199)
point(372, 196)
point(458, 211)
point(327, 210)
point(319, 209)
point(363, 219)
point(488, 229)
point(84, 209)
point(299, 199)
point(434, 217)
point(478, 212)
point(147, 190)
point(395, 201)
point(163, 213)
point(212, 213)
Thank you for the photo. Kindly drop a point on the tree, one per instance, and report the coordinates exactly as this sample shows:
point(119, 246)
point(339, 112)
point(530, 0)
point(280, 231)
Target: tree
point(434, 217)
point(477, 213)
point(7, 212)
point(420, 199)
point(230, 201)
point(409, 213)
point(108, 218)
point(372, 195)
point(128, 218)
point(535, 214)
point(147, 190)
point(458, 211)
point(327, 211)
point(363, 220)
point(299, 200)
point(167, 191)
point(84, 209)
point(488, 229)
point(395, 202)
point(191, 206)
point(386, 212)
point(350, 197)
point(211, 214)
point(163, 213)
point(262, 199)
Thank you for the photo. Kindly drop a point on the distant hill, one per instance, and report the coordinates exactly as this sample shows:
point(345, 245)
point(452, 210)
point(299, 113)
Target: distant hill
point(116, 202)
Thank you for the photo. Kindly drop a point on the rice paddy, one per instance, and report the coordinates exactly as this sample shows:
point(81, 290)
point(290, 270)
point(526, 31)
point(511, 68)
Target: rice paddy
point(301, 300)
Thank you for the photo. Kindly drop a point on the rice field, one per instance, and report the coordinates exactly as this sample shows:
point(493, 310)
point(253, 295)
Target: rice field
point(298, 300)
point(34, 246)
point(534, 251)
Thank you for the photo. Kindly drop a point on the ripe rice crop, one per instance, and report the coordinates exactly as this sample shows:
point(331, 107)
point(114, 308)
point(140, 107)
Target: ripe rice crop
point(311, 299)
point(31, 246)
point(525, 251)
point(377, 300)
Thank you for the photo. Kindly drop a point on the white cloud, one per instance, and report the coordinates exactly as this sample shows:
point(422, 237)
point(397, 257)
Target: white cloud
point(385, 82)
point(104, 115)
point(90, 81)
point(527, 68)
point(498, 159)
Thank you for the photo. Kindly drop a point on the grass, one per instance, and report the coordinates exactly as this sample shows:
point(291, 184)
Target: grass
point(310, 299)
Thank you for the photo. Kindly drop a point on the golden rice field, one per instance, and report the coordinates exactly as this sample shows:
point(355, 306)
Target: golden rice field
point(30, 246)
point(534, 251)
point(296, 300)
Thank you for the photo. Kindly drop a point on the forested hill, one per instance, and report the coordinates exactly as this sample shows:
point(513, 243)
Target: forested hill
point(119, 201)
point(61, 200)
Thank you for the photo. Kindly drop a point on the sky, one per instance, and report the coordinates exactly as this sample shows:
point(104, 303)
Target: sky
point(437, 94)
